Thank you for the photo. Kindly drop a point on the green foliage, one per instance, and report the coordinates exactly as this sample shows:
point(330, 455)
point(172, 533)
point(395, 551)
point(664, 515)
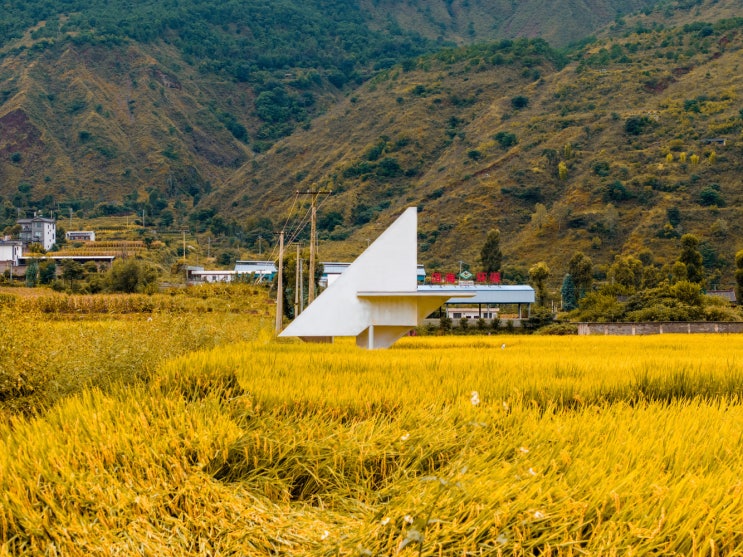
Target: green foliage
point(601, 168)
point(389, 167)
point(491, 256)
point(131, 275)
point(711, 196)
point(626, 271)
point(598, 307)
point(32, 273)
point(538, 275)
point(47, 271)
point(739, 276)
point(580, 269)
point(506, 139)
point(539, 317)
point(558, 329)
point(674, 216)
point(637, 125)
point(328, 221)
point(691, 257)
point(445, 323)
point(519, 102)
point(568, 294)
point(616, 191)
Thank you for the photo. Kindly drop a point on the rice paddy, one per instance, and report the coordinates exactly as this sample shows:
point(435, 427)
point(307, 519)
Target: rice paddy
point(475, 445)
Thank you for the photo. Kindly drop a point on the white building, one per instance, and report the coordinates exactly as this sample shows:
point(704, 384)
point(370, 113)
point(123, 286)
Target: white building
point(260, 270)
point(375, 307)
point(10, 252)
point(80, 236)
point(201, 275)
point(485, 299)
point(38, 230)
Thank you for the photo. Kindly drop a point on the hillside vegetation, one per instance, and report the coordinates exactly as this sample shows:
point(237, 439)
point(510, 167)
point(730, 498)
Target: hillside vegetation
point(166, 110)
point(617, 150)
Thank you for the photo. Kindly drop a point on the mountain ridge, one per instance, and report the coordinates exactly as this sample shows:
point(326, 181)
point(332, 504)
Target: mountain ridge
point(103, 124)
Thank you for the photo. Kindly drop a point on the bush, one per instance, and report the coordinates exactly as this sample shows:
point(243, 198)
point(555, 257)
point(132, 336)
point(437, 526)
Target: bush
point(506, 139)
point(540, 317)
point(710, 196)
point(636, 125)
point(132, 276)
point(519, 102)
point(558, 329)
point(445, 323)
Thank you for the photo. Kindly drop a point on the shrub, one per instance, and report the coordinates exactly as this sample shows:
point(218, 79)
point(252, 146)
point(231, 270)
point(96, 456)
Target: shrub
point(636, 125)
point(558, 329)
point(710, 196)
point(519, 102)
point(506, 139)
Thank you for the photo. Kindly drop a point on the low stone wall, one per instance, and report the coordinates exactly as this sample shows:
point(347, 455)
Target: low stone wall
point(659, 328)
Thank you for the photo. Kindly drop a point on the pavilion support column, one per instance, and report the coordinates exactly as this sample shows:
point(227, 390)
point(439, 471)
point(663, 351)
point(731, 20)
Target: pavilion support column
point(371, 337)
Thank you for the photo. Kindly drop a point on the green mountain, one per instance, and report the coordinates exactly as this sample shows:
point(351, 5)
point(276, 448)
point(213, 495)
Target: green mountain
point(630, 144)
point(211, 115)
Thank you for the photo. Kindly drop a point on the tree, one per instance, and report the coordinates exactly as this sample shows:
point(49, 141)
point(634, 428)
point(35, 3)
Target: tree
point(739, 276)
point(132, 276)
point(32, 273)
point(47, 271)
point(568, 294)
point(562, 170)
point(580, 269)
point(692, 258)
point(539, 216)
point(627, 271)
point(538, 274)
point(491, 256)
point(72, 270)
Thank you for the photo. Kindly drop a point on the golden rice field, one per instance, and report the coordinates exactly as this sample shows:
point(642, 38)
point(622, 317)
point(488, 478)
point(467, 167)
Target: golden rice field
point(489, 445)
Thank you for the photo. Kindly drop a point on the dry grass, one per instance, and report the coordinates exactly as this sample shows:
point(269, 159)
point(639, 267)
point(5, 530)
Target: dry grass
point(439, 446)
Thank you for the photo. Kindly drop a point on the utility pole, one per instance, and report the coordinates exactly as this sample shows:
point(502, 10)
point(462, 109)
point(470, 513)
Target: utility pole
point(301, 289)
point(313, 239)
point(185, 267)
point(280, 286)
point(296, 284)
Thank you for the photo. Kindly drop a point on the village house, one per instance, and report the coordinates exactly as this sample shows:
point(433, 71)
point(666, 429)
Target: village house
point(38, 230)
point(80, 236)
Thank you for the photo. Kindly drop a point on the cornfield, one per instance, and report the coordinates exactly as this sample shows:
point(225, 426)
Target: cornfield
point(490, 445)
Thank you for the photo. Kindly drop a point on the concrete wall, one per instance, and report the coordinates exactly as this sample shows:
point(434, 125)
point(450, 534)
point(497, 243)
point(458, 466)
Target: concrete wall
point(659, 328)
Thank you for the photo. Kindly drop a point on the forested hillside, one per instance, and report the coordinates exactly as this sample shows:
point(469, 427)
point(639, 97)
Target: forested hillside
point(627, 146)
point(209, 116)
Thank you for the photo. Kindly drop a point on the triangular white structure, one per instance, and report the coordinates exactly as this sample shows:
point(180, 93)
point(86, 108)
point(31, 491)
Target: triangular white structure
point(376, 298)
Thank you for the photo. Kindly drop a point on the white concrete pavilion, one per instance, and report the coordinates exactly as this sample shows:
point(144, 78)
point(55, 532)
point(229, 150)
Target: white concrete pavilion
point(377, 298)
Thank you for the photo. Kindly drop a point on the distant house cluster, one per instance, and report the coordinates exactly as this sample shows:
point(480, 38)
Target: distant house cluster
point(14, 256)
